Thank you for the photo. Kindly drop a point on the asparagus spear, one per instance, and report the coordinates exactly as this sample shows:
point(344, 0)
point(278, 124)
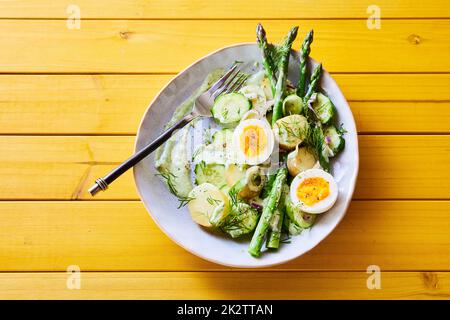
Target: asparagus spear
point(268, 63)
point(314, 81)
point(274, 236)
point(304, 54)
point(266, 216)
point(285, 51)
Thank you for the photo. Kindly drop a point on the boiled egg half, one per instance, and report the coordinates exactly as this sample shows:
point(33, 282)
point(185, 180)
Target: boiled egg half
point(314, 191)
point(253, 141)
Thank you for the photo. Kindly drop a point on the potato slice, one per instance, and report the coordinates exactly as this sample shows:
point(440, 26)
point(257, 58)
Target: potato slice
point(290, 131)
point(300, 160)
point(204, 199)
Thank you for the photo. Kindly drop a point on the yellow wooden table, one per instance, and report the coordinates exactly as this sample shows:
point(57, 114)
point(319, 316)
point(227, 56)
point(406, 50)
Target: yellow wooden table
point(71, 97)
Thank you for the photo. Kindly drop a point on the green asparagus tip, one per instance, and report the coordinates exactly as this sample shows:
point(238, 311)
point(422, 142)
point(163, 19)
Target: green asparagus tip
point(307, 42)
point(293, 33)
point(317, 71)
point(260, 32)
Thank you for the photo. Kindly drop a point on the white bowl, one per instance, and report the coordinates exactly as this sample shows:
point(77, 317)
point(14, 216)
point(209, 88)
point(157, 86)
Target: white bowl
point(177, 223)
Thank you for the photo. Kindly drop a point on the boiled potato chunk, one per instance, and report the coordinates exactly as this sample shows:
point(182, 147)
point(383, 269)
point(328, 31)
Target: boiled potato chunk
point(204, 199)
point(290, 131)
point(299, 160)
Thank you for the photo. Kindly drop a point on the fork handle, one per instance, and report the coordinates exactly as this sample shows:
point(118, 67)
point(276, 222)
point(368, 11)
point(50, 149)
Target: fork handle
point(103, 183)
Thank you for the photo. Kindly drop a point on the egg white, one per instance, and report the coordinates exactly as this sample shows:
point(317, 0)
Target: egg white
point(241, 157)
point(321, 206)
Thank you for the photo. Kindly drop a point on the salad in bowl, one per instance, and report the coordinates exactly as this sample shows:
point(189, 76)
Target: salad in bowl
point(261, 170)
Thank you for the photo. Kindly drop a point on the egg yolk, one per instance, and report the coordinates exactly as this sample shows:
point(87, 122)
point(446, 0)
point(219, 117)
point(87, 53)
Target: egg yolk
point(253, 141)
point(313, 190)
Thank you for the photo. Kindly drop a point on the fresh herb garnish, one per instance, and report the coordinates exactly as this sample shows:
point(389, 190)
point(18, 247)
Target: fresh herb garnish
point(212, 201)
point(184, 201)
point(168, 178)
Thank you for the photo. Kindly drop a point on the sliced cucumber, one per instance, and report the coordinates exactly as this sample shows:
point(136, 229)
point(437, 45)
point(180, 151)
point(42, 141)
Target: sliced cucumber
point(241, 220)
point(334, 139)
point(217, 152)
point(292, 104)
point(324, 108)
point(219, 215)
point(210, 173)
point(322, 150)
point(324, 158)
point(307, 220)
point(229, 108)
point(294, 229)
point(291, 227)
point(300, 218)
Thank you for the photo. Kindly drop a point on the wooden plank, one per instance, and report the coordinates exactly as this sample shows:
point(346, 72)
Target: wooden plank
point(394, 87)
point(160, 46)
point(119, 117)
point(60, 167)
point(114, 104)
point(120, 236)
point(176, 9)
point(401, 117)
point(100, 104)
point(226, 285)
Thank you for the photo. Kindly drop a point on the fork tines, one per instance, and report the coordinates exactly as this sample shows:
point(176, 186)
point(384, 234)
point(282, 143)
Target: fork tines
point(231, 81)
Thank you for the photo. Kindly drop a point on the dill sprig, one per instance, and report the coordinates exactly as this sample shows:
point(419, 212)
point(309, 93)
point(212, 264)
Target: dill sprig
point(207, 136)
point(184, 201)
point(341, 130)
point(212, 201)
point(236, 220)
point(276, 51)
point(314, 138)
point(300, 131)
point(233, 194)
point(197, 152)
point(168, 178)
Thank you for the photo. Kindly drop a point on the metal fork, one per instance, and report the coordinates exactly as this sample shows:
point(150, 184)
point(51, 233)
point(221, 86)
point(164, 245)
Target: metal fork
point(231, 81)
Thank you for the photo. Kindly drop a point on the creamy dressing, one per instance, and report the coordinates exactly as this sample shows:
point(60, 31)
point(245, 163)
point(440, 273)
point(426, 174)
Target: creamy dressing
point(172, 158)
point(180, 166)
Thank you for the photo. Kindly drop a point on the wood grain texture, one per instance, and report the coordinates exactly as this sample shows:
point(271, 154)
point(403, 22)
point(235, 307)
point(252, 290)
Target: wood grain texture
point(120, 236)
point(114, 104)
point(98, 81)
point(63, 167)
point(226, 285)
point(122, 46)
point(204, 9)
